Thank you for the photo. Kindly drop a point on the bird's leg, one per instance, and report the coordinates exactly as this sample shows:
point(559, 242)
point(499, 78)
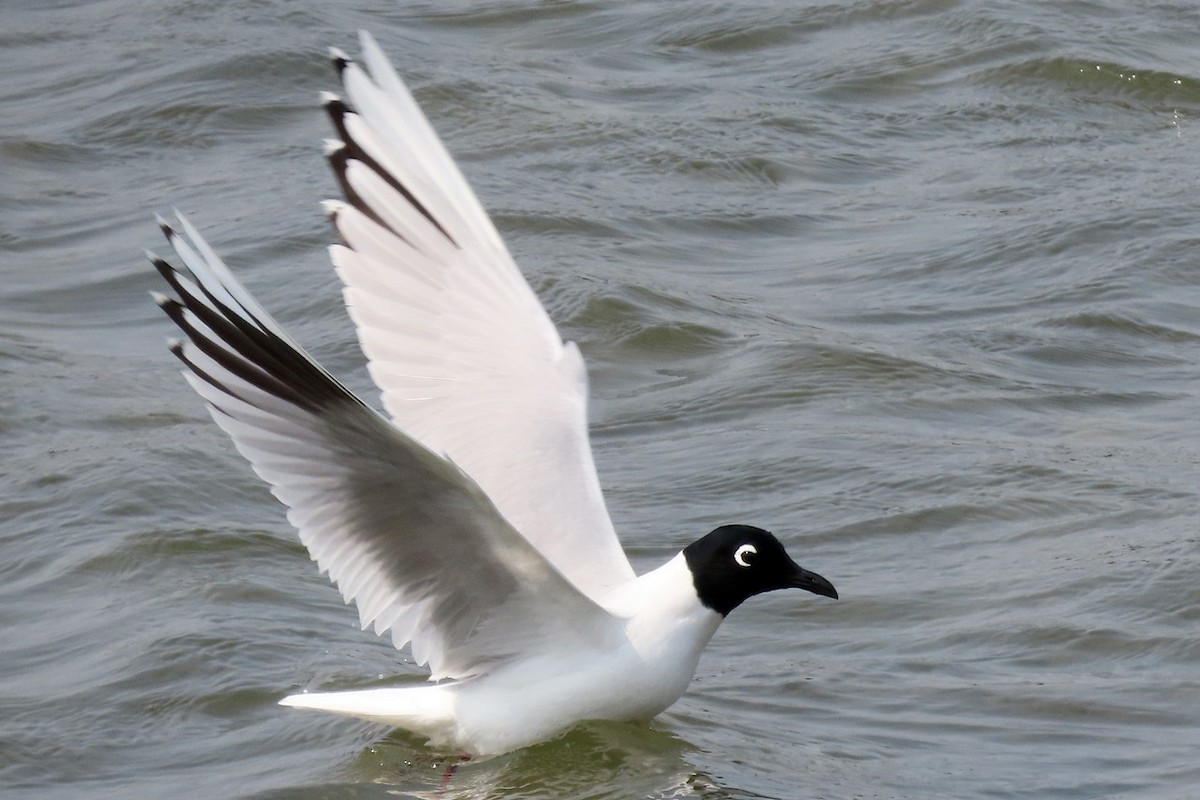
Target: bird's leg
point(450, 770)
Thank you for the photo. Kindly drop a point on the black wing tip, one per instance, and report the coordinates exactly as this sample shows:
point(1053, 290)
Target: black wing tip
point(168, 272)
point(335, 106)
point(340, 60)
point(338, 110)
point(333, 146)
point(338, 157)
point(173, 309)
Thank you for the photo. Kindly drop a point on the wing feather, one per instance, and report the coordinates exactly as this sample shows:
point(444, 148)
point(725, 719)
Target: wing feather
point(465, 356)
point(403, 532)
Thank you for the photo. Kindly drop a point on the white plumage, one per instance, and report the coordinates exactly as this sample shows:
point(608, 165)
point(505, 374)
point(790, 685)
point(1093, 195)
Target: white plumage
point(471, 524)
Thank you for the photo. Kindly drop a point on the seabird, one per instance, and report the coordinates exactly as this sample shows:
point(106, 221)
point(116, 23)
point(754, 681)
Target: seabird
point(469, 522)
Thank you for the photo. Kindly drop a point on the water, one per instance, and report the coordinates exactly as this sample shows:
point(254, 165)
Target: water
point(914, 284)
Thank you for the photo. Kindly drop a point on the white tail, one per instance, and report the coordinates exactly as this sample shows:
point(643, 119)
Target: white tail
point(424, 709)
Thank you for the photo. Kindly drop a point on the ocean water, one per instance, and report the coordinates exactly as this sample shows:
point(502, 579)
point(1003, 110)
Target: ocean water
point(914, 284)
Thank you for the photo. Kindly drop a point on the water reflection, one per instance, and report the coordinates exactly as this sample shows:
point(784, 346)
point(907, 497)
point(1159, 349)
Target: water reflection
point(596, 760)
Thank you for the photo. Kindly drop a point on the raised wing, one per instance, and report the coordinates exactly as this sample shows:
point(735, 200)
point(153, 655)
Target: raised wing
point(405, 534)
point(467, 360)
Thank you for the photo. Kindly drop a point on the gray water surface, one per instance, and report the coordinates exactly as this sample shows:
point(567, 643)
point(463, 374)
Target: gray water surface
point(913, 284)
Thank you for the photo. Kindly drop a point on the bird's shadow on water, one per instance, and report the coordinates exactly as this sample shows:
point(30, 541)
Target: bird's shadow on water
point(595, 760)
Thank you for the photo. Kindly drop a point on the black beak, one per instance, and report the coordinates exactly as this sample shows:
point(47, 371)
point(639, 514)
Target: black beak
point(811, 582)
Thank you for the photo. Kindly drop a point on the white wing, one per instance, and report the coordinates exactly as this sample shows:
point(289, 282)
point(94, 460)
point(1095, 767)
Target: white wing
point(467, 360)
point(404, 533)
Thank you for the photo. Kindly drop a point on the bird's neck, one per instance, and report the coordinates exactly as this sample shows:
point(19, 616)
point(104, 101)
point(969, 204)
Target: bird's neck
point(664, 612)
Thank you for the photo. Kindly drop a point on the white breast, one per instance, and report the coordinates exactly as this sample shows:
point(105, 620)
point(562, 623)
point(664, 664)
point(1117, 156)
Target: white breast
point(634, 678)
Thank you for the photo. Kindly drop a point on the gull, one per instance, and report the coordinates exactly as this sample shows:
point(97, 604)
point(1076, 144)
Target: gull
point(468, 523)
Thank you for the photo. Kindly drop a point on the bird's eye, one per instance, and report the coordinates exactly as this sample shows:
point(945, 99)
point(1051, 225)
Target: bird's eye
point(743, 553)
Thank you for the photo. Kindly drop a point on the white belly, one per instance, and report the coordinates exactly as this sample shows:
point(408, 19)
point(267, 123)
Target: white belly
point(633, 675)
point(536, 699)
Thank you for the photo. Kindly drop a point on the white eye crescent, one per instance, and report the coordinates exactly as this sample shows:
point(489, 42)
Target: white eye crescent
point(742, 553)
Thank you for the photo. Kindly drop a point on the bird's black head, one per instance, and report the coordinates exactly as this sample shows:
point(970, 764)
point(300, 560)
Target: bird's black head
point(735, 562)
